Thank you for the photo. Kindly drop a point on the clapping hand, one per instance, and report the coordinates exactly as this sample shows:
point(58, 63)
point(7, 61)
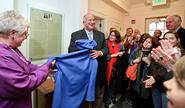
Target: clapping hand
point(165, 55)
point(131, 40)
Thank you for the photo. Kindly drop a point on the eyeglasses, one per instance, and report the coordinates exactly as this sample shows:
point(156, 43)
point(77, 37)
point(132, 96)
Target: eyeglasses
point(3, 33)
point(24, 33)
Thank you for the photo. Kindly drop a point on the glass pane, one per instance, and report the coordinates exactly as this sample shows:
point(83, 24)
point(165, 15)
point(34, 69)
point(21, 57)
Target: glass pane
point(163, 32)
point(165, 27)
point(160, 25)
point(151, 32)
point(152, 26)
point(162, 19)
point(166, 31)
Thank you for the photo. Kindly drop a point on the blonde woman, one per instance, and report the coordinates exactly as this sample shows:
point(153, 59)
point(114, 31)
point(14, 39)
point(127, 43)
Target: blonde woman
point(176, 85)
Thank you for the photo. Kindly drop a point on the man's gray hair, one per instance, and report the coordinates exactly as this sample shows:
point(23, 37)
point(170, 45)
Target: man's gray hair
point(85, 17)
point(12, 20)
point(177, 18)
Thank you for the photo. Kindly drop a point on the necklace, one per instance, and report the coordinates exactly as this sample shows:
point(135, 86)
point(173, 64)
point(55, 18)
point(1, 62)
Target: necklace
point(19, 54)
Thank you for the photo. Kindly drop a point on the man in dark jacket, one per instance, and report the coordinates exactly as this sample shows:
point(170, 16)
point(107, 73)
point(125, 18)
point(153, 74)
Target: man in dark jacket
point(173, 24)
point(99, 53)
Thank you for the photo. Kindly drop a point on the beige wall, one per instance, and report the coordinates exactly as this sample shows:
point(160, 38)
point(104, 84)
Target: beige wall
point(140, 12)
point(112, 16)
point(73, 12)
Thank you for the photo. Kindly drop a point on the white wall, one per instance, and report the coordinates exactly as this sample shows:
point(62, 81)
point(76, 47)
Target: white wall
point(6, 5)
point(112, 16)
point(71, 10)
point(140, 12)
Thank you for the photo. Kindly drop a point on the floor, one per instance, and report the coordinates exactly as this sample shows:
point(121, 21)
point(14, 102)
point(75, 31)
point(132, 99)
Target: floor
point(121, 104)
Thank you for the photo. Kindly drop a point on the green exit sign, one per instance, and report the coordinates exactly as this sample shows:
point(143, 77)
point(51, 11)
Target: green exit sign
point(158, 2)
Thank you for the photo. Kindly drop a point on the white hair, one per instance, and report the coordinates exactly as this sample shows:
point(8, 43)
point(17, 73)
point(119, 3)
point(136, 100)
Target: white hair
point(85, 17)
point(177, 18)
point(12, 20)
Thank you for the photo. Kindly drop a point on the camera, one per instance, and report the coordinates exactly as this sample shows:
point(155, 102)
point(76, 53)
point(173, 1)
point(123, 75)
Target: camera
point(146, 53)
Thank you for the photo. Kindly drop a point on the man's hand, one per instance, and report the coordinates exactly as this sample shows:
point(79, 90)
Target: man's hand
point(95, 54)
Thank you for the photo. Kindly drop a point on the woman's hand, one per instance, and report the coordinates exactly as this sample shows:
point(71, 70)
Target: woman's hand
point(146, 60)
point(164, 59)
point(131, 40)
point(149, 82)
point(117, 54)
point(120, 54)
point(52, 66)
point(170, 50)
point(165, 45)
point(166, 55)
point(137, 60)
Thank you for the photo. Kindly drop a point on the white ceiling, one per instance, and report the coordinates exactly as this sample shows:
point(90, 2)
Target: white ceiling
point(126, 4)
point(136, 1)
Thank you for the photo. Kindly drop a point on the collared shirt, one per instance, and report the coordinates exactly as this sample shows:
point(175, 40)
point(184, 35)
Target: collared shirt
point(177, 29)
point(90, 37)
point(89, 34)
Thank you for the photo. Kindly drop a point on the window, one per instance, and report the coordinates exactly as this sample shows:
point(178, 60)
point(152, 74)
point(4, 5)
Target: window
point(156, 23)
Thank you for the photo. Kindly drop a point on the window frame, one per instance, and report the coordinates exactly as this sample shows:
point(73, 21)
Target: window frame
point(155, 20)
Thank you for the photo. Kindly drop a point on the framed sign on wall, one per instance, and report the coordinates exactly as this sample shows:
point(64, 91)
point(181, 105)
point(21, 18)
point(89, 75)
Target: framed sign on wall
point(158, 2)
point(45, 34)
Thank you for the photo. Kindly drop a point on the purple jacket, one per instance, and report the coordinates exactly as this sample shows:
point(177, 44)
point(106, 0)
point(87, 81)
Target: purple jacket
point(18, 77)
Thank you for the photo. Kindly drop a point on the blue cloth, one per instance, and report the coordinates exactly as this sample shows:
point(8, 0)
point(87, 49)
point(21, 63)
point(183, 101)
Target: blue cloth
point(75, 77)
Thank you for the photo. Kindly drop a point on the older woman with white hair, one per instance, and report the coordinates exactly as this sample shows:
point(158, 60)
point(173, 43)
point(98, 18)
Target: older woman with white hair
point(18, 77)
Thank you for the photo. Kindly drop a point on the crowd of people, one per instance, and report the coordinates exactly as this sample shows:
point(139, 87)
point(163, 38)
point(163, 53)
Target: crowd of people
point(155, 56)
point(160, 72)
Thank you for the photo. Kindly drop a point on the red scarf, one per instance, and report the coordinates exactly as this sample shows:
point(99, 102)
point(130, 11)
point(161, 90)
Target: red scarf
point(112, 50)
